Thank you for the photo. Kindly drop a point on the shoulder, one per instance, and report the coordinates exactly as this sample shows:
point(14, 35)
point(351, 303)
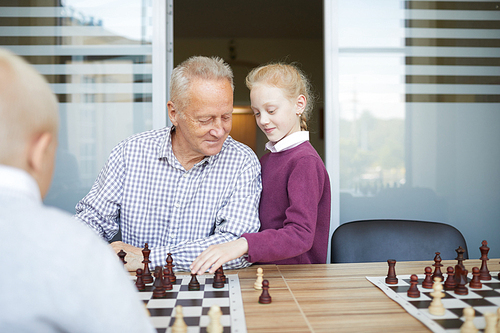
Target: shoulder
point(153, 137)
point(238, 151)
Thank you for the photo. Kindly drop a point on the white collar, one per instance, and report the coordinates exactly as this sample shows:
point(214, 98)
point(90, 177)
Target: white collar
point(18, 180)
point(288, 142)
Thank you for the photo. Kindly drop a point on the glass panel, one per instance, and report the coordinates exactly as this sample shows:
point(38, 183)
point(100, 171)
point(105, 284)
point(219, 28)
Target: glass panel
point(96, 55)
point(419, 94)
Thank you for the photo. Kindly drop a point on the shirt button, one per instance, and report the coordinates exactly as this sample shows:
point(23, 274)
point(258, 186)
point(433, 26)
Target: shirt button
point(177, 204)
point(185, 175)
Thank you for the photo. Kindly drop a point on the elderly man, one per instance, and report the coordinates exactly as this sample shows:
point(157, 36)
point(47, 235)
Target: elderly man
point(183, 188)
point(58, 275)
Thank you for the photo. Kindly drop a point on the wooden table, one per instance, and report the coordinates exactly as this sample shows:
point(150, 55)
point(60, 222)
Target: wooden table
point(331, 298)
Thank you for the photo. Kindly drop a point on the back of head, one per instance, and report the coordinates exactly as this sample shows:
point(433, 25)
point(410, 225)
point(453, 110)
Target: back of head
point(289, 78)
point(27, 107)
point(196, 68)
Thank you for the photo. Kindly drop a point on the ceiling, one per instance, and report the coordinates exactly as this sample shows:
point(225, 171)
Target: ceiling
point(248, 19)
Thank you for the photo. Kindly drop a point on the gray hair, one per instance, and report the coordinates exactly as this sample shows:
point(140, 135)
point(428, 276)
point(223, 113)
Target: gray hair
point(197, 67)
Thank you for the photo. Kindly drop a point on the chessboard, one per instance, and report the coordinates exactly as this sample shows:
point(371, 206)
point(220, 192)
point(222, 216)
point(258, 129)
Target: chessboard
point(486, 299)
point(196, 304)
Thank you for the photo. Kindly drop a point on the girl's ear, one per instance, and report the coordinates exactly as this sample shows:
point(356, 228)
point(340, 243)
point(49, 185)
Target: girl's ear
point(301, 104)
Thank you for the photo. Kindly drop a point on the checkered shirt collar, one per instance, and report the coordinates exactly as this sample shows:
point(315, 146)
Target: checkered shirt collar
point(165, 150)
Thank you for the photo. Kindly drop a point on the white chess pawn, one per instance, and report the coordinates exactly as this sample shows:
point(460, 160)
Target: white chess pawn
point(436, 308)
point(179, 325)
point(468, 325)
point(260, 277)
point(491, 322)
point(215, 325)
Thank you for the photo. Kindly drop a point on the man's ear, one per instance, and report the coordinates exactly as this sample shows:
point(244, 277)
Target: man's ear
point(172, 113)
point(38, 151)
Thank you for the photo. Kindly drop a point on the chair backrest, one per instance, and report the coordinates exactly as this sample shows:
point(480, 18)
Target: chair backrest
point(403, 240)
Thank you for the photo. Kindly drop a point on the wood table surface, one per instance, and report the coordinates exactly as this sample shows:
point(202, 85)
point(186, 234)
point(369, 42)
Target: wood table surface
point(331, 297)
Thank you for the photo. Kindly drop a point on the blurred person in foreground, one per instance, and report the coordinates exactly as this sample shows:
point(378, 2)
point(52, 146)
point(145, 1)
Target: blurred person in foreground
point(58, 275)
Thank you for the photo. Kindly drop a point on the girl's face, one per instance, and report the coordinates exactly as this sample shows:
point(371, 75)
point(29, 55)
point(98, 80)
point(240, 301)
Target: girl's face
point(276, 115)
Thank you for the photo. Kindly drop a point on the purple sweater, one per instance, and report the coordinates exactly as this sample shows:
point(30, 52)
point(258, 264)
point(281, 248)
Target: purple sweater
point(294, 209)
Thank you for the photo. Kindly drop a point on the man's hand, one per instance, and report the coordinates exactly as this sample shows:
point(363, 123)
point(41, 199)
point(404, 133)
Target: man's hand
point(216, 255)
point(134, 255)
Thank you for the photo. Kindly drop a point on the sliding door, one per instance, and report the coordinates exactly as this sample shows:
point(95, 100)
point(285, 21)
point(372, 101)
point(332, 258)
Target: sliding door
point(107, 61)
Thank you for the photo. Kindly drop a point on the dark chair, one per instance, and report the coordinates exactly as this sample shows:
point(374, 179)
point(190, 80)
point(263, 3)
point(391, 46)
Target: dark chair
point(403, 240)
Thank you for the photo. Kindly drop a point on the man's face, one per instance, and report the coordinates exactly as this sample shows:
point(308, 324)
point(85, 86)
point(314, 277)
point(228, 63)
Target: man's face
point(204, 124)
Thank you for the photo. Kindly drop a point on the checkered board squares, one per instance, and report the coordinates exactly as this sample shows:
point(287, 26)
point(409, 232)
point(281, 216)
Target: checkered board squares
point(486, 299)
point(195, 304)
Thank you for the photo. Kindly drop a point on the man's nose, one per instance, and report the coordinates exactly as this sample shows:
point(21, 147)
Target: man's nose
point(217, 129)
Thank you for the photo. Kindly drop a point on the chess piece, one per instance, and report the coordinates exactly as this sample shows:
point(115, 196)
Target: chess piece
point(260, 276)
point(475, 282)
point(179, 325)
point(437, 267)
point(218, 282)
point(491, 322)
point(427, 283)
point(484, 273)
point(391, 274)
point(158, 291)
point(459, 267)
point(460, 288)
point(222, 274)
point(122, 255)
point(413, 291)
point(215, 325)
point(265, 298)
point(436, 308)
point(193, 284)
point(170, 268)
point(498, 317)
point(450, 283)
point(146, 273)
point(468, 325)
point(139, 283)
point(166, 283)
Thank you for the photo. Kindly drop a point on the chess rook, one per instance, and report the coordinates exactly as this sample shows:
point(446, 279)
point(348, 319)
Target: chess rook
point(391, 274)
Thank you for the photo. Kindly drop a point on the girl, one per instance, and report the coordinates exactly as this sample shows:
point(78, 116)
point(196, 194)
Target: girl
point(295, 203)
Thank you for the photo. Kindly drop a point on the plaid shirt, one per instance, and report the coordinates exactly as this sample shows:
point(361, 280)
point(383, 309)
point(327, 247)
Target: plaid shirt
point(144, 189)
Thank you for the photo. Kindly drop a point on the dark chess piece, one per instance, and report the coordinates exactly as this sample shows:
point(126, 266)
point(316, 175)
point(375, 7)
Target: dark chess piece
point(218, 281)
point(158, 291)
point(122, 255)
point(193, 284)
point(139, 283)
point(391, 274)
point(222, 273)
point(476, 281)
point(461, 289)
point(437, 267)
point(166, 283)
point(413, 291)
point(265, 298)
point(459, 267)
point(170, 267)
point(484, 273)
point(450, 283)
point(146, 273)
point(427, 283)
